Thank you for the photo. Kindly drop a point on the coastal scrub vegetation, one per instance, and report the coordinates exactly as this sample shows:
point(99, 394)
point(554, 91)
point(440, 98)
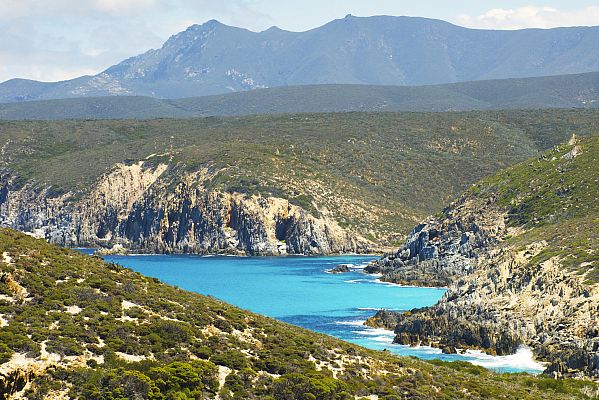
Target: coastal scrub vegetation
point(554, 198)
point(377, 174)
point(75, 325)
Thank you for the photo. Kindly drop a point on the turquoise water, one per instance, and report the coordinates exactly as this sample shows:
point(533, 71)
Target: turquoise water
point(298, 290)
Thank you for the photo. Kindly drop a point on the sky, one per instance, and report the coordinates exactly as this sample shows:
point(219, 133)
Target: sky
point(51, 40)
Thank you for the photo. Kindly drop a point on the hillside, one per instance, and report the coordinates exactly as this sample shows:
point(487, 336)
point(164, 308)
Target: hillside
point(76, 327)
point(214, 59)
point(565, 91)
point(520, 253)
point(301, 183)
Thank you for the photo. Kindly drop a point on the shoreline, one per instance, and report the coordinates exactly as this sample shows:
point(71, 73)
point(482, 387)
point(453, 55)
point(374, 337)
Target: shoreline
point(96, 249)
point(357, 326)
point(522, 360)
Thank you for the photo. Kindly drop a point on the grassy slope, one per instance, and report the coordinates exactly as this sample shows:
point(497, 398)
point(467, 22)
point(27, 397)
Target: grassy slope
point(378, 173)
point(186, 337)
point(564, 91)
point(555, 198)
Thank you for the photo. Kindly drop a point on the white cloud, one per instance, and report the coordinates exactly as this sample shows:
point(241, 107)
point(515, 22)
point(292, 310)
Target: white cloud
point(530, 17)
point(32, 8)
point(123, 7)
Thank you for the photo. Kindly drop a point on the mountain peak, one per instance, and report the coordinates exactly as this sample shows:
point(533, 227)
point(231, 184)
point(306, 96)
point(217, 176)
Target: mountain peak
point(211, 24)
point(273, 29)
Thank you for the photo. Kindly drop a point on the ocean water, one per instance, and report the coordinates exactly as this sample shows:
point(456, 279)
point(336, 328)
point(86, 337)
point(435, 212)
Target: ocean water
point(298, 290)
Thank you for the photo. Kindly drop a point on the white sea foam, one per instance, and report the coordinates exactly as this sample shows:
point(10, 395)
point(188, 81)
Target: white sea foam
point(351, 323)
point(376, 335)
point(358, 281)
point(375, 332)
point(522, 359)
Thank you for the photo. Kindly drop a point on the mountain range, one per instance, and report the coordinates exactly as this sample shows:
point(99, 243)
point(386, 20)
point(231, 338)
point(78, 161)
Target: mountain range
point(214, 58)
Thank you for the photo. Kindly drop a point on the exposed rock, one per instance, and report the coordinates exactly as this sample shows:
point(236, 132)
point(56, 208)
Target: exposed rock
point(14, 382)
point(143, 208)
point(514, 307)
point(518, 252)
point(385, 319)
point(340, 269)
point(499, 298)
point(117, 249)
point(449, 350)
point(437, 252)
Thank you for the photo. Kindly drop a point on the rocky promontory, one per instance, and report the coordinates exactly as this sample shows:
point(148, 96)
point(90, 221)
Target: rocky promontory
point(441, 250)
point(518, 252)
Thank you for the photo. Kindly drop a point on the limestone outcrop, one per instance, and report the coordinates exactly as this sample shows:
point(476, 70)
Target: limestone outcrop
point(147, 208)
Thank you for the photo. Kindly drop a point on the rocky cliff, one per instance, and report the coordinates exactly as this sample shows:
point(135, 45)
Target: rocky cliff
point(151, 208)
point(440, 250)
point(519, 252)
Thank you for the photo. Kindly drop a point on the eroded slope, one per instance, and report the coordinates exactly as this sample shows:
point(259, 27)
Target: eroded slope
point(307, 183)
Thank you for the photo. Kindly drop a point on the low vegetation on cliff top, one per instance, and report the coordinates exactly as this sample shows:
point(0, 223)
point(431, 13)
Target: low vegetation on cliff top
point(377, 173)
point(76, 326)
point(554, 198)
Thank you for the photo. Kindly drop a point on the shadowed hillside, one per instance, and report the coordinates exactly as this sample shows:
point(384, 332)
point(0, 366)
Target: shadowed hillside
point(565, 91)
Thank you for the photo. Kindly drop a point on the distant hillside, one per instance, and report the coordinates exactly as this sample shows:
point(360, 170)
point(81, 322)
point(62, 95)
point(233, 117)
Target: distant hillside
point(214, 59)
point(76, 327)
point(564, 91)
point(294, 183)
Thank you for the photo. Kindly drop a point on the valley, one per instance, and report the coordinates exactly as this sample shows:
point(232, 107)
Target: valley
point(82, 328)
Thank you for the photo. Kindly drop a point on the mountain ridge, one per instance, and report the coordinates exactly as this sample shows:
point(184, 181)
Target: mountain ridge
point(562, 91)
point(213, 58)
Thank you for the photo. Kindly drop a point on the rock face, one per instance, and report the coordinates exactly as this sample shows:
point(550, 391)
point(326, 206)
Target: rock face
point(13, 382)
point(340, 269)
point(385, 319)
point(143, 208)
point(437, 252)
point(509, 302)
point(498, 299)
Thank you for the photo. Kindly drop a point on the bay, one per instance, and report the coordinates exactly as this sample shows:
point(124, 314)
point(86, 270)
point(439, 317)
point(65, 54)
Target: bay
point(298, 290)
